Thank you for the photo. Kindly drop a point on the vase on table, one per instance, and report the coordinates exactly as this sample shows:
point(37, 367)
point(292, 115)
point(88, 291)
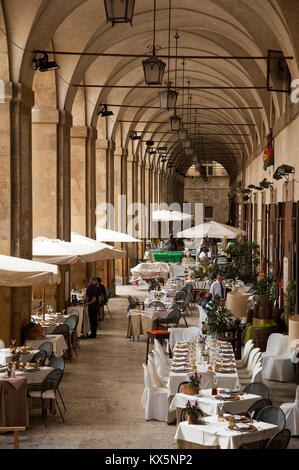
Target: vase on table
point(193, 390)
point(192, 419)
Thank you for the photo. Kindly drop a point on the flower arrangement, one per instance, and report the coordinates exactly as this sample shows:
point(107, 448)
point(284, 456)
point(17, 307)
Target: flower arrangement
point(15, 355)
point(219, 319)
point(202, 339)
point(193, 412)
point(195, 380)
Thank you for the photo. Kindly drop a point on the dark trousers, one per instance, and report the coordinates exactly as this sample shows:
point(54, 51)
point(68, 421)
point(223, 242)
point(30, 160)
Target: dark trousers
point(93, 320)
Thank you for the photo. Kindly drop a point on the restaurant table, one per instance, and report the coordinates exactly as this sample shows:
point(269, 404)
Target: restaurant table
point(58, 341)
point(142, 321)
point(216, 435)
point(26, 356)
point(209, 405)
point(13, 402)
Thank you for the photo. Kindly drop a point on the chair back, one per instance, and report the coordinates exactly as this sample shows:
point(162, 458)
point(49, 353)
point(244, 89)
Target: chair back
point(188, 288)
point(280, 440)
point(247, 348)
point(297, 397)
point(255, 360)
point(147, 379)
point(48, 347)
point(108, 295)
point(180, 295)
point(39, 358)
point(2, 345)
point(57, 363)
point(276, 344)
point(257, 388)
point(62, 329)
point(156, 303)
point(173, 317)
point(155, 379)
point(175, 307)
point(159, 364)
point(182, 383)
point(190, 333)
point(257, 372)
point(157, 346)
point(74, 312)
point(52, 380)
point(72, 321)
point(257, 406)
point(274, 415)
point(251, 357)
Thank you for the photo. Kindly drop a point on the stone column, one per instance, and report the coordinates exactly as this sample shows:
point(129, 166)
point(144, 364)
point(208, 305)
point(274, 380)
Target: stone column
point(130, 199)
point(16, 102)
point(120, 211)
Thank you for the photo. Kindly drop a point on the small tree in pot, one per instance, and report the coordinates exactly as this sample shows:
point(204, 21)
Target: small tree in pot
point(219, 319)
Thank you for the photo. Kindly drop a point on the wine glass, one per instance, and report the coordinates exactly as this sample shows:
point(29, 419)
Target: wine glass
point(12, 343)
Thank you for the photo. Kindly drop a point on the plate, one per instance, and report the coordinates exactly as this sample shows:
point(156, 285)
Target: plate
point(230, 398)
point(235, 427)
point(240, 419)
point(31, 369)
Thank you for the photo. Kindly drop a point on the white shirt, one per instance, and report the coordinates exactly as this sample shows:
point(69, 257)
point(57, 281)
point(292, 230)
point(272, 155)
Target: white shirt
point(216, 289)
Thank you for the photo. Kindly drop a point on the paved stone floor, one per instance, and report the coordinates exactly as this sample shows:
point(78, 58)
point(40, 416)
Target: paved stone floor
point(102, 390)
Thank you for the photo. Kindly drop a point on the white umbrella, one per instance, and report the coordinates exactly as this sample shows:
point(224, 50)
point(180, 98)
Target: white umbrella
point(53, 251)
point(168, 216)
point(19, 272)
point(97, 250)
point(106, 235)
point(211, 230)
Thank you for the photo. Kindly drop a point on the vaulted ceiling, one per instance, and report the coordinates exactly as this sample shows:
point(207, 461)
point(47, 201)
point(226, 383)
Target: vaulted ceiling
point(206, 28)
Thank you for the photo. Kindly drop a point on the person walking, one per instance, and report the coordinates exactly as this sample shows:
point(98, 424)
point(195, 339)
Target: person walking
point(217, 288)
point(93, 308)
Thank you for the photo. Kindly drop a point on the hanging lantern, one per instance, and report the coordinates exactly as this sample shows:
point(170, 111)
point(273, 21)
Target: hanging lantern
point(153, 69)
point(183, 134)
point(189, 152)
point(187, 143)
point(168, 98)
point(119, 11)
point(175, 123)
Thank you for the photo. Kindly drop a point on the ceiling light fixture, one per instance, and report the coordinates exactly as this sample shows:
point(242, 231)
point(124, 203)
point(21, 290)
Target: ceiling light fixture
point(119, 11)
point(265, 184)
point(182, 132)
point(175, 121)
point(104, 112)
point(153, 67)
point(43, 64)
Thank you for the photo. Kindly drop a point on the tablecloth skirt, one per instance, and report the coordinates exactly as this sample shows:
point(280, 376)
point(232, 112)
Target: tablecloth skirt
point(139, 325)
point(13, 404)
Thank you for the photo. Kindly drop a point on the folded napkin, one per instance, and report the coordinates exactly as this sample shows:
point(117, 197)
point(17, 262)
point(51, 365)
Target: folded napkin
point(178, 359)
point(180, 368)
point(223, 395)
point(242, 426)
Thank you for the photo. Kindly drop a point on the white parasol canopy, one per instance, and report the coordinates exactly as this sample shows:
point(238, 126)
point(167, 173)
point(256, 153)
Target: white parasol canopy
point(107, 235)
point(100, 250)
point(211, 230)
point(168, 216)
point(19, 272)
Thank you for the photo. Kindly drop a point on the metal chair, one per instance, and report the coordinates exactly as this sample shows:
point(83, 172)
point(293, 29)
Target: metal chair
point(58, 363)
point(182, 383)
point(172, 319)
point(48, 392)
point(62, 329)
point(39, 358)
point(72, 321)
point(257, 388)
point(108, 296)
point(256, 407)
point(274, 415)
point(280, 440)
point(48, 347)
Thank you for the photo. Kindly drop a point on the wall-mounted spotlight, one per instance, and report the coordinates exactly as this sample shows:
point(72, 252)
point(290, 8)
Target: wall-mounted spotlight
point(246, 198)
point(133, 136)
point(104, 112)
point(150, 143)
point(283, 170)
point(258, 188)
point(245, 191)
point(251, 186)
point(43, 64)
point(265, 184)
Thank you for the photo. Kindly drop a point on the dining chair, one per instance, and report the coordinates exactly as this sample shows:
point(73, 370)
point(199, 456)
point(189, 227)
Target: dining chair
point(156, 303)
point(108, 296)
point(162, 373)
point(274, 415)
point(72, 321)
point(48, 391)
point(182, 383)
point(48, 347)
point(154, 399)
point(257, 388)
point(172, 319)
point(39, 358)
point(257, 406)
point(291, 411)
point(58, 363)
point(280, 440)
point(64, 329)
point(242, 363)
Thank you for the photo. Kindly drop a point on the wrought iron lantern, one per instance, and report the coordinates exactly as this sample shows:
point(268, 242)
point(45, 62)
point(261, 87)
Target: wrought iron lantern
point(175, 123)
point(187, 143)
point(168, 98)
point(119, 11)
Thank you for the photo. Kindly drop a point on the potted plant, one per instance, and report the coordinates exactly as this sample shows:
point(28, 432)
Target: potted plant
point(219, 319)
point(193, 412)
point(245, 258)
point(264, 294)
point(194, 384)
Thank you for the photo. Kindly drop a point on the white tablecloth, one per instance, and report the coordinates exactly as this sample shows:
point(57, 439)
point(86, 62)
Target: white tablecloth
point(210, 406)
point(34, 377)
point(26, 356)
point(58, 341)
point(215, 433)
point(151, 313)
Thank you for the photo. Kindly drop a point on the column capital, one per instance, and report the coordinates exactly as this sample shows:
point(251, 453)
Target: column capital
point(10, 91)
point(45, 115)
point(120, 152)
point(84, 132)
point(105, 144)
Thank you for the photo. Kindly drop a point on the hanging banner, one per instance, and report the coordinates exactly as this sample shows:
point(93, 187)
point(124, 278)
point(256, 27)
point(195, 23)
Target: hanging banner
point(269, 152)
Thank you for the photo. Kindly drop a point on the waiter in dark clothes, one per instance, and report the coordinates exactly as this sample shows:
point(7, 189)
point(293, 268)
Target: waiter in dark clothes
point(93, 308)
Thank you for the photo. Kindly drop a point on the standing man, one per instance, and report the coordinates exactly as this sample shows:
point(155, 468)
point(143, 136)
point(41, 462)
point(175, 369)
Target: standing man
point(93, 308)
point(217, 288)
point(102, 296)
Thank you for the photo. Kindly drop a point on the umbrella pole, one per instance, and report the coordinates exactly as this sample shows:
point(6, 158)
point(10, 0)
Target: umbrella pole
point(44, 303)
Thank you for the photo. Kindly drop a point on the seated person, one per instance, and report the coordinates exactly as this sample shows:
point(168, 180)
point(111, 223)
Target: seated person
point(201, 297)
point(207, 300)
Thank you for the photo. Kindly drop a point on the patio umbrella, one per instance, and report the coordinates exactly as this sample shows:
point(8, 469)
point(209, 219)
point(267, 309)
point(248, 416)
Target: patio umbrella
point(95, 250)
point(107, 235)
point(19, 272)
point(169, 216)
point(211, 230)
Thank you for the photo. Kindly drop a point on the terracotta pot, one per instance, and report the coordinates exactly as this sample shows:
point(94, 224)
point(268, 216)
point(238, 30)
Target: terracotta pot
point(193, 390)
point(192, 419)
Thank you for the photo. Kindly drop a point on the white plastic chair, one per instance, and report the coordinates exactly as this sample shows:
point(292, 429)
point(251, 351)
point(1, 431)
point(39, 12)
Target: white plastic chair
point(277, 364)
point(154, 400)
point(291, 411)
point(190, 333)
point(242, 363)
point(165, 365)
point(154, 373)
point(254, 356)
point(163, 377)
point(257, 373)
point(2, 345)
